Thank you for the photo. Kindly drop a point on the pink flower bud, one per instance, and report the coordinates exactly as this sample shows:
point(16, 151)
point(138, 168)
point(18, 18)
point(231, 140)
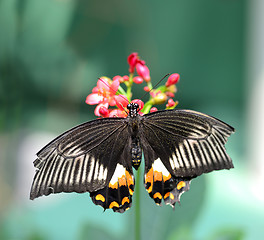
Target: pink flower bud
point(146, 89)
point(171, 103)
point(153, 109)
point(119, 78)
point(170, 94)
point(132, 61)
point(103, 111)
point(125, 78)
point(173, 79)
point(143, 71)
point(138, 80)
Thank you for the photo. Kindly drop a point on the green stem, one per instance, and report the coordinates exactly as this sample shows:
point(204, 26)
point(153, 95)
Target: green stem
point(147, 107)
point(137, 207)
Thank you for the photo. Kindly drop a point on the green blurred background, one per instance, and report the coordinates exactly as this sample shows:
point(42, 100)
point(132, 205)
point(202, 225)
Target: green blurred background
point(51, 54)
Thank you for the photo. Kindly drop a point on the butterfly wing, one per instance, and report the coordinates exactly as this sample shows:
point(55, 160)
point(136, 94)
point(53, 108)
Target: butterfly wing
point(88, 158)
point(179, 145)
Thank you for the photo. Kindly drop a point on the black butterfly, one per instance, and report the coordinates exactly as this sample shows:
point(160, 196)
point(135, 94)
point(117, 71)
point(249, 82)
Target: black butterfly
point(98, 156)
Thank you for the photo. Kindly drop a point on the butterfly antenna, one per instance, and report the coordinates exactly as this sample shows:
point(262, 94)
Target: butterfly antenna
point(155, 85)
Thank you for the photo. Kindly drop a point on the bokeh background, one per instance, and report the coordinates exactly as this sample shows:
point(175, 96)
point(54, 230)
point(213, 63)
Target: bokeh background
point(51, 54)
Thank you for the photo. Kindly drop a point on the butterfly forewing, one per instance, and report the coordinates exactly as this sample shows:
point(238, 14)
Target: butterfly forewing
point(83, 159)
point(188, 143)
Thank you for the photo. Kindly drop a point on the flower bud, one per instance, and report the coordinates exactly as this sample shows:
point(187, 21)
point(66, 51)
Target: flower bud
point(153, 109)
point(103, 111)
point(119, 78)
point(138, 80)
point(125, 78)
point(159, 98)
point(132, 61)
point(146, 89)
point(143, 71)
point(171, 103)
point(173, 79)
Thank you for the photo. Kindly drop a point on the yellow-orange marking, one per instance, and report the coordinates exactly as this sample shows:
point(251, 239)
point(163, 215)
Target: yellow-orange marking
point(157, 176)
point(129, 179)
point(171, 196)
point(166, 195)
point(100, 197)
point(181, 184)
point(115, 185)
point(130, 191)
point(149, 176)
point(157, 195)
point(149, 179)
point(113, 204)
point(122, 181)
point(124, 200)
point(165, 178)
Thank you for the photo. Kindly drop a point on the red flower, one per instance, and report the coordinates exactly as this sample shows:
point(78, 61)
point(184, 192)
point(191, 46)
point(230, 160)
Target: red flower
point(121, 102)
point(103, 94)
point(117, 113)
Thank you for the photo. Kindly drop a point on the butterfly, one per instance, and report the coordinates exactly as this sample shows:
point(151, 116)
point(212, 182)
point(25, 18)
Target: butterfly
point(98, 156)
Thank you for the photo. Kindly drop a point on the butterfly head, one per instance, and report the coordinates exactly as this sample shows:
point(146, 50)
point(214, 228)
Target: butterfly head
point(133, 109)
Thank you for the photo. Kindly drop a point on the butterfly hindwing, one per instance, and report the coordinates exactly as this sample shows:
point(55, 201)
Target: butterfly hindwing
point(159, 182)
point(85, 159)
point(179, 145)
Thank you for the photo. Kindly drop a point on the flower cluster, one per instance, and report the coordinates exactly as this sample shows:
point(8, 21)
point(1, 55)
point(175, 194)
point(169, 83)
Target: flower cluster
point(111, 98)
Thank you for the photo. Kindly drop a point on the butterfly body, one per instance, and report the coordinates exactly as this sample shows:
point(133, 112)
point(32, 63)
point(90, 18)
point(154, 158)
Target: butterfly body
point(98, 156)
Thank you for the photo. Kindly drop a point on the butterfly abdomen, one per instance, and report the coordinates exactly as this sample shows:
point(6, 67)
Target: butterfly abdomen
point(136, 153)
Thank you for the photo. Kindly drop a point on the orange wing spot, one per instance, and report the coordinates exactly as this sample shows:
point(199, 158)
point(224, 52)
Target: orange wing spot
point(165, 178)
point(157, 176)
point(166, 195)
point(129, 179)
point(149, 176)
point(115, 185)
point(100, 197)
point(124, 200)
point(157, 195)
point(181, 184)
point(122, 181)
point(171, 196)
point(113, 204)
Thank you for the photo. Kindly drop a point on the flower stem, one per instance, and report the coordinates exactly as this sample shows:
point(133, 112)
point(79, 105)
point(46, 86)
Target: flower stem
point(137, 206)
